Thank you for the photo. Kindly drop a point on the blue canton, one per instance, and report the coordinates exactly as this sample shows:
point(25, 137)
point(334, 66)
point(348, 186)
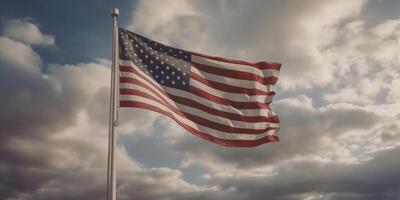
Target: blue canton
point(167, 65)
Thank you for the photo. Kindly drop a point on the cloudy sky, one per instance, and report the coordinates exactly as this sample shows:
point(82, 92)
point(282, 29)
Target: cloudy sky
point(338, 99)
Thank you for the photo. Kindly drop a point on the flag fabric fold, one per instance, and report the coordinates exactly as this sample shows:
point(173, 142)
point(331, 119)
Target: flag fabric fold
point(221, 100)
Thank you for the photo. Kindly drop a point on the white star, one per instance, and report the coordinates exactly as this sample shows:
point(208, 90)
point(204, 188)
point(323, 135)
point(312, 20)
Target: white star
point(162, 81)
point(183, 83)
point(162, 72)
point(173, 82)
point(156, 66)
point(173, 73)
point(167, 77)
point(178, 77)
point(167, 67)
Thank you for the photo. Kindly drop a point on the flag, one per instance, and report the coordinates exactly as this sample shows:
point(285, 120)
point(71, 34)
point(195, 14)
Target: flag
point(221, 100)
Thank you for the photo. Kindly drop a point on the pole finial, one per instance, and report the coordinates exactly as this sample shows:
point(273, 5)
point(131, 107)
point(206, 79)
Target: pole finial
point(115, 12)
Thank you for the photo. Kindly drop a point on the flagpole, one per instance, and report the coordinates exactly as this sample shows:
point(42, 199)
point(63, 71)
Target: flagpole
point(113, 122)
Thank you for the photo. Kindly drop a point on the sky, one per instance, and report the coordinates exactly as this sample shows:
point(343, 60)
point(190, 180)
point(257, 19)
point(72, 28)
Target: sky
point(338, 99)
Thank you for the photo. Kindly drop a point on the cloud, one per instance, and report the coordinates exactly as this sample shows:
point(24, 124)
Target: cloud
point(341, 54)
point(53, 135)
point(36, 107)
point(369, 66)
point(275, 30)
point(26, 31)
point(338, 103)
point(49, 141)
point(302, 179)
point(394, 90)
point(22, 57)
point(339, 136)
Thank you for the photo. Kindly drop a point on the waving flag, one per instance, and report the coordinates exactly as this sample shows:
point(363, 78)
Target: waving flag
point(221, 100)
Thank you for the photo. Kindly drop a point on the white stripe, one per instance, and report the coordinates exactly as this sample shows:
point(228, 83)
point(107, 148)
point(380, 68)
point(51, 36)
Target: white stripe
point(203, 101)
point(232, 81)
point(204, 129)
point(237, 67)
point(228, 95)
point(198, 112)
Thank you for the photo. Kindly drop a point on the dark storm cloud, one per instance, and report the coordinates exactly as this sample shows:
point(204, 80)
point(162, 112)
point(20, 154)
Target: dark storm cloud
point(373, 179)
point(53, 129)
point(32, 110)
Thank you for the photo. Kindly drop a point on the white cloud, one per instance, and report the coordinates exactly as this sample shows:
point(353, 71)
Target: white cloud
point(54, 135)
point(54, 128)
point(368, 63)
point(25, 30)
point(394, 90)
point(57, 133)
point(276, 30)
point(326, 47)
point(14, 54)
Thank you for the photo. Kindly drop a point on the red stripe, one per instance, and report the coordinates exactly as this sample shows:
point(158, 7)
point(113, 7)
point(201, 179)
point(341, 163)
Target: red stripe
point(206, 95)
point(259, 65)
point(230, 143)
point(195, 104)
point(228, 88)
point(194, 118)
point(235, 74)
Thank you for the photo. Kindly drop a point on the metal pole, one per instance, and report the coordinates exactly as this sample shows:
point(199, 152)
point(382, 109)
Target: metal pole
point(111, 171)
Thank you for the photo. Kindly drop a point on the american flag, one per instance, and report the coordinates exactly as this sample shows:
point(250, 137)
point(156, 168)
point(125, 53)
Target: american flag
point(221, 100)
